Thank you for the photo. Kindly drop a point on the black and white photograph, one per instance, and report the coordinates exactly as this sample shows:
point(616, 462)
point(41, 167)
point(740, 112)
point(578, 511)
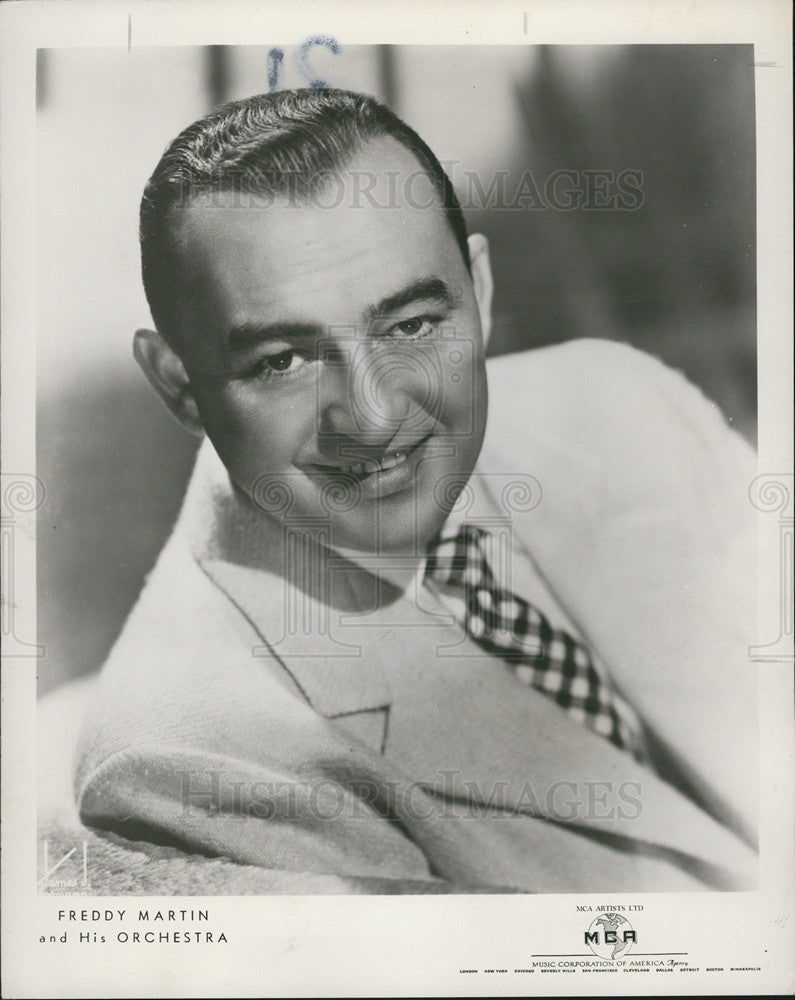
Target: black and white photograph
point(403, 518)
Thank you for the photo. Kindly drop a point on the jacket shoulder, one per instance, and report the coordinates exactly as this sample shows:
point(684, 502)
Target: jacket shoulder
point(596, 401)
point(588, 377)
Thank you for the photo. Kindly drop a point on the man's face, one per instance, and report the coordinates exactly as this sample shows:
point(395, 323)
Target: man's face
point(335, 353)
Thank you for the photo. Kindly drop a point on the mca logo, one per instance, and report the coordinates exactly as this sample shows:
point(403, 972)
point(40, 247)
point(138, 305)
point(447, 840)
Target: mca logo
point(610, 936)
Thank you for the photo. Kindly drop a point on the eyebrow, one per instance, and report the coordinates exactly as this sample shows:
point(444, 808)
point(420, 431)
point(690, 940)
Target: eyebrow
point(425, 288)
point(245, 335)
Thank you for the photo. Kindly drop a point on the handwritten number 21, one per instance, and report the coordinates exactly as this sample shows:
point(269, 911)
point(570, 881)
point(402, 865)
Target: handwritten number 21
point(275, 62)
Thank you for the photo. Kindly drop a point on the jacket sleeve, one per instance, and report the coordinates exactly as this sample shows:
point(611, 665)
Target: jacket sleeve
point(268, 816)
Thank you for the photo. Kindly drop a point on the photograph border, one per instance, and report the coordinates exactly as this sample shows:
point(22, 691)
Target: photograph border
point(375, 945)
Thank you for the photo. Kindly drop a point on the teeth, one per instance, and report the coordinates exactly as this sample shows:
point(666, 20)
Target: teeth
point(375, 465)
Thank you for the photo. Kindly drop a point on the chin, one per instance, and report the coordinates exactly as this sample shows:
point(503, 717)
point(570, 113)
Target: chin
point(398, 531)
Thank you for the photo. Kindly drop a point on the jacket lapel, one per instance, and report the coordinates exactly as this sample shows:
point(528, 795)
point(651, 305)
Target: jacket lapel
point(283, 582)
point(467, 728)
point(328, 662)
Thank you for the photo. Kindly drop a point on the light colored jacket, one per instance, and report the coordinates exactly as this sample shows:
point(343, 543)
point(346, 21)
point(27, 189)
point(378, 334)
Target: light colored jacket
point(326, 727)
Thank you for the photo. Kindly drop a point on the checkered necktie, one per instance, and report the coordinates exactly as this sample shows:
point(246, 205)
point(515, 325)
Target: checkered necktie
point(544, 657)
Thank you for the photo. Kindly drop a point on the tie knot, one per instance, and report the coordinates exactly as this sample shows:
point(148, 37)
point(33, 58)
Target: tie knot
point(459, 559)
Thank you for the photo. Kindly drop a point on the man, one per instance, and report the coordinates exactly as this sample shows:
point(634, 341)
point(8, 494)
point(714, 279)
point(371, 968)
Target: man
point(391, 638)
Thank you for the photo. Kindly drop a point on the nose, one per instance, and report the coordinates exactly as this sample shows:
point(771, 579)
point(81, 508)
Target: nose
point(365, 394)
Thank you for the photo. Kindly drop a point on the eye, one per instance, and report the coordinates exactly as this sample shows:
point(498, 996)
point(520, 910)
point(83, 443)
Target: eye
point(416, 327)
point(282, 363)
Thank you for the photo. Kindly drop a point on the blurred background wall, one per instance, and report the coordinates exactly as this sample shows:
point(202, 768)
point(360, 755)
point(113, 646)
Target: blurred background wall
point(668, 266)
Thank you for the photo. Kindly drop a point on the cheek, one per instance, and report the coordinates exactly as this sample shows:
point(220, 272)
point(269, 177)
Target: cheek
point(464, 402)
point(254, 432)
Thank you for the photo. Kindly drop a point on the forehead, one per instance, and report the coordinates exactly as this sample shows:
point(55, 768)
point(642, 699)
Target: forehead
point(373, 228)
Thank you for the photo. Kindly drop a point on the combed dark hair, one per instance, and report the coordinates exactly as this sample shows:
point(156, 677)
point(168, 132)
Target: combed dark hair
point(281, 142)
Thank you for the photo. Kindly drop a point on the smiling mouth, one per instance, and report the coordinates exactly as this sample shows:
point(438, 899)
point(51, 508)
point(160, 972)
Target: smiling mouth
point(368, 466)
point(371, 465)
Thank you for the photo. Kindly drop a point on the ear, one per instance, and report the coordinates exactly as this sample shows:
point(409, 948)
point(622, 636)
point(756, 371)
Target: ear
point(482, 280)
point(168, 377)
